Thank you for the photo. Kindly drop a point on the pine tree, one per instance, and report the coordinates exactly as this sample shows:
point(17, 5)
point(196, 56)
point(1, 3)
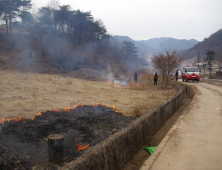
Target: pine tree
point(11, 9)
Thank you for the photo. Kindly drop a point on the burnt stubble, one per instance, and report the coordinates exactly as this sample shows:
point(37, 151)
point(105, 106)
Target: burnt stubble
point(24, 144)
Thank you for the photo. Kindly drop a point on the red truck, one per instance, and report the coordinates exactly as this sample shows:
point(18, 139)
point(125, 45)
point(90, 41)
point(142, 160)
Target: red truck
point(190, 72)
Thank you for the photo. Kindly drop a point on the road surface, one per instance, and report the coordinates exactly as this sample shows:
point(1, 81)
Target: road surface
point(195, 141)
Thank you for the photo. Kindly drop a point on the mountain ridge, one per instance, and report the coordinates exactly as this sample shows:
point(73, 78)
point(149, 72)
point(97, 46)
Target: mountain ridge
point(158, 45)
point(213, 42)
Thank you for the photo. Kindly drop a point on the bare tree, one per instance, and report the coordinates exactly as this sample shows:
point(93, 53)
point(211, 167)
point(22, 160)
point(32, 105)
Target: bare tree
point(166, 63)
point(54, 4)
point(159, 64)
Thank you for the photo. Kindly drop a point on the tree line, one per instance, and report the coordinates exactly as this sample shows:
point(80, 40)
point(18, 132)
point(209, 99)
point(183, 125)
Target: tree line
point(70, 38)
point(10, 9)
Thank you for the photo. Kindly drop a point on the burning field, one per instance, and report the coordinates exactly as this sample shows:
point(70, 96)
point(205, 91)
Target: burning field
point(23, 143)
point(34, 106)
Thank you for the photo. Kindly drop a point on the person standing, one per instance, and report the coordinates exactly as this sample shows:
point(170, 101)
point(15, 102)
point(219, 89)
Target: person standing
point(135, 77)
point(30, 55)
point(155, 78)
point(176, 75)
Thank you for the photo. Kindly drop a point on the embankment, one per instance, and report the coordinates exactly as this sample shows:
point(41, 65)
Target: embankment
point(114, 152)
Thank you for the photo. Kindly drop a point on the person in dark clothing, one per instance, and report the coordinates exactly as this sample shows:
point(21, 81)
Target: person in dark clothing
point(135, 77)
point(155, 78)
point(30, 54)
point(176, 74)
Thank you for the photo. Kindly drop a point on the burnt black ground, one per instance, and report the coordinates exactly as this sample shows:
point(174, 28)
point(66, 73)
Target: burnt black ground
point(24, 144)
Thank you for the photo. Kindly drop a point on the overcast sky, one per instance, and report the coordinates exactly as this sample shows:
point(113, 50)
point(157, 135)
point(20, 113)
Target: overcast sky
point(145, 19)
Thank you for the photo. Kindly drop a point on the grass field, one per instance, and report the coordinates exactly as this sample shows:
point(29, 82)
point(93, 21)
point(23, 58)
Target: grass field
point(27, 93)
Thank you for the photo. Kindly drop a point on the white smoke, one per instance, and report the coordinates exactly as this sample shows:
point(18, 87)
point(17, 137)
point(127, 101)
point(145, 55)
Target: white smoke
point(118, 79)
point(110, 76)
point(119, 82)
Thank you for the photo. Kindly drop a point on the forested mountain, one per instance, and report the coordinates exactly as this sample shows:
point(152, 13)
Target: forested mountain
point(214, 42)
point(70, 39)
point(157, 45)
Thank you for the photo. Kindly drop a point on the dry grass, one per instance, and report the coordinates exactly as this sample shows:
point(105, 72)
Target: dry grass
point(26, 94)
point(30, 92)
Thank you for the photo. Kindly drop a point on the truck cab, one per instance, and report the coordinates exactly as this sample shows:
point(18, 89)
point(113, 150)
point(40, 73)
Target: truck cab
point(190, 72)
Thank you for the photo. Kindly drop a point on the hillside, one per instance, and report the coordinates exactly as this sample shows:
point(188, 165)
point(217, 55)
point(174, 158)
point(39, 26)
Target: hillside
point(157, 45)
point(214, 42)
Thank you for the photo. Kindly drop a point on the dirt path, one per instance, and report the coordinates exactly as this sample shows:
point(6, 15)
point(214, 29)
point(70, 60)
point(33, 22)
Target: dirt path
point(195, 141)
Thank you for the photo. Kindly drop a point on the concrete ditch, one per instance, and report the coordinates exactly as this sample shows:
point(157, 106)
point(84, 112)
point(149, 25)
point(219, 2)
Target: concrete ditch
point(117, 150)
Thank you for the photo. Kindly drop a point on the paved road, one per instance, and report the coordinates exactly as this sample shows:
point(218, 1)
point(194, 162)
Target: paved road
point(195, 141)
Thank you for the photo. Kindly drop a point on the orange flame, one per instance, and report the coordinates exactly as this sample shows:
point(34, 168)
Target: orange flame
point(22, 119)
point(15, 119)
point(39, 114)
point(129, 84)
point(109, 82)
point(82, 147)
point(67, 109)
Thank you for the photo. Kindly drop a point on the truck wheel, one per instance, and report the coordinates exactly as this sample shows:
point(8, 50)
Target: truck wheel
point(186, 80)
point(183, 79)
point(198, 80)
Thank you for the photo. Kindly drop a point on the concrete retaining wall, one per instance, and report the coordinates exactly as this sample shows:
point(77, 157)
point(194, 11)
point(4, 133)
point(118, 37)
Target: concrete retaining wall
point(190, 90)
point(113, 153)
